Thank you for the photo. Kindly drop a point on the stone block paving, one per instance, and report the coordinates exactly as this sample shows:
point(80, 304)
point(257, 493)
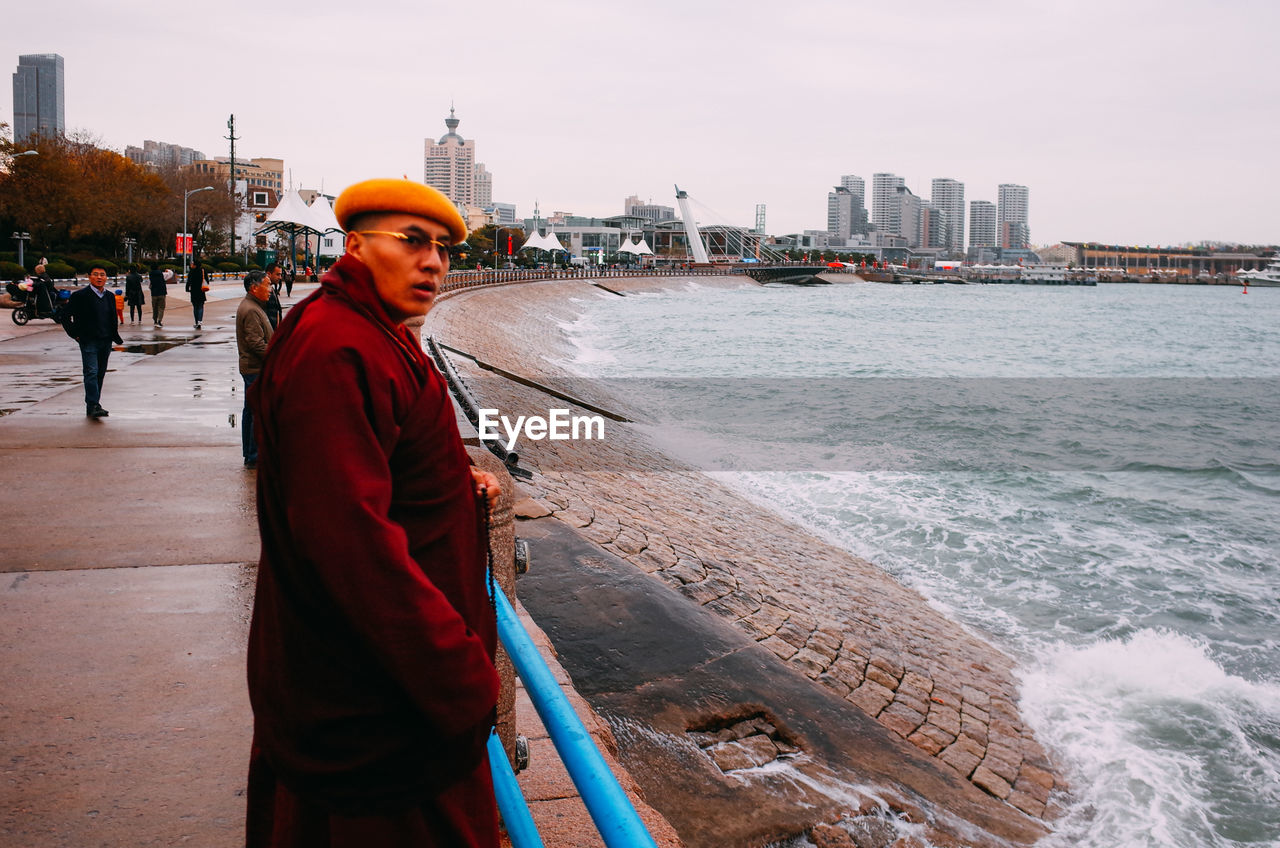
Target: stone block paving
point(838, 619)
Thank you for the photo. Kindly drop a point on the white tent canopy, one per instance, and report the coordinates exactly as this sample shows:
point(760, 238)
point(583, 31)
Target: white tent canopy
point(322, 217)
point(640, 248)
point(292, 215)
point(541, 242)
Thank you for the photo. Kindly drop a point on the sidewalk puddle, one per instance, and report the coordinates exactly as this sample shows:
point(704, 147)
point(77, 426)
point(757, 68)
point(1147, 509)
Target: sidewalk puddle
point(151, 348)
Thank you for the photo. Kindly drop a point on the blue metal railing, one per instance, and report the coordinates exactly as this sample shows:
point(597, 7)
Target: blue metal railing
point(615, 818)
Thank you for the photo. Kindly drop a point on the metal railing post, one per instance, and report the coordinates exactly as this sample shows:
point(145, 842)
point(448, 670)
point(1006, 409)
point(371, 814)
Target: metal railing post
point(619, 824)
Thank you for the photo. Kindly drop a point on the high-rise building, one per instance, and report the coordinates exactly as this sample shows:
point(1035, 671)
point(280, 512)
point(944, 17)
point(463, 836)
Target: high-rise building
point(450, 165)
point(982, 223)
point(1011, 217)
point(161, 154)
point(846, 216)
point(653, 211)
point(759, 227)
point(933, 227)
point(39, 98)
point(947, 196)
point(886, 209)
point(857, 186)
point(910, 217)
point(839, 212)
point(484, 186)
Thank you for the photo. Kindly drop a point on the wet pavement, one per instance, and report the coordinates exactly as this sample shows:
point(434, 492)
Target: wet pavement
point(126, 579)
point(125, 588)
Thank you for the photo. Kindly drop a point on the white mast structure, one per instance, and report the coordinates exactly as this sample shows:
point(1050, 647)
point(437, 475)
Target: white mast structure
point(691, 227)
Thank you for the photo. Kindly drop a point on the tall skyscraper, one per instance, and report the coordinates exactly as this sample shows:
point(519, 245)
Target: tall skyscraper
point(1011, 219)
point(484, 186)
point(856, 185)
point(760, 210)
point(982, 223)
point(947, 196)
point(846, 212)
point(910, 217)
point(450, 166)
point(886, 210)
point(839, 212)
point(39, 99)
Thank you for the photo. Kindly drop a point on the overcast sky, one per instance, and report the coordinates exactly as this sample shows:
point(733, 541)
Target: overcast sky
point(1131, 122)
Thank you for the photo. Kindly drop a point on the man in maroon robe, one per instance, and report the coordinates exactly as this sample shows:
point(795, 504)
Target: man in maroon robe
point(371, 647)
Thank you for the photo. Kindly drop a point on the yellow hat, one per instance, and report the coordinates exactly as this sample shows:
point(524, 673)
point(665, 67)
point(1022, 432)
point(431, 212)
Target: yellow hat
point(387, 195)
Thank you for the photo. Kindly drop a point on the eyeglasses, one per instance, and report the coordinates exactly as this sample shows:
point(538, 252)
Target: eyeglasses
point(414, 242)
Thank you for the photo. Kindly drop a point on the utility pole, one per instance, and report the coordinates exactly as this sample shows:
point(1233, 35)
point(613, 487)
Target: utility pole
point(231, 126)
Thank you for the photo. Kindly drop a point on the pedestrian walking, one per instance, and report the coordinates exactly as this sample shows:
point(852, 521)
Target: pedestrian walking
point(159, 291)
point(275, 310)
point(133, 294)
point(288, 281)
point(371, 647)
point(198, 289)
point(91, 321)
point(253, 332)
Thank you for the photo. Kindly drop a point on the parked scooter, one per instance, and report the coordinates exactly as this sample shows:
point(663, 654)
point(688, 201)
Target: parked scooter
point(33, 304)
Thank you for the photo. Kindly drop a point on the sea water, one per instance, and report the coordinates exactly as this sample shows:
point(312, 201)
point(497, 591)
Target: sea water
point(1088, 476)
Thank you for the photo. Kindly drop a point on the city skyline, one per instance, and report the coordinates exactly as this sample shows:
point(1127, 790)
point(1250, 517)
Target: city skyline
point(1156, 138)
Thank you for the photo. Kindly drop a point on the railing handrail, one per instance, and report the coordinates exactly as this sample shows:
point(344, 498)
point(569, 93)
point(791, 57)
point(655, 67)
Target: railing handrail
point(615, 818)
point(511, 803)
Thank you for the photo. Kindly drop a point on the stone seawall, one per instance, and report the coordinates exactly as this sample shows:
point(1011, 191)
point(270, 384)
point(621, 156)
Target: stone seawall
point(837, 620)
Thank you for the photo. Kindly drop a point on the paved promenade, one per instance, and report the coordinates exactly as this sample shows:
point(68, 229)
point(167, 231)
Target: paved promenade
point(126, 580)
point(838, 621)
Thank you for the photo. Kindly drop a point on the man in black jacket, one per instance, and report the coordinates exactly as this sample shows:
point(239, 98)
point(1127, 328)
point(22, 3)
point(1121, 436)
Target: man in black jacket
point(159, 290)
point(91, 321)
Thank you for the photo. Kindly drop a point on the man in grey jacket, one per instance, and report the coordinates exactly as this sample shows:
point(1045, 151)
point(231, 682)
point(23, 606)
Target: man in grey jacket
point(253, 332)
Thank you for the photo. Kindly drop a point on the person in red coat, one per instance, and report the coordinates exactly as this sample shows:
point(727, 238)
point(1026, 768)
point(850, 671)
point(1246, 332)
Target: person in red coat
point(371, 646)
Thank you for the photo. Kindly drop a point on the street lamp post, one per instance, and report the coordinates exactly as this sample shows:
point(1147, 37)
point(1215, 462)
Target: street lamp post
point(184, 227)
point(22, 238)
point(129, 245)
point(496, 234)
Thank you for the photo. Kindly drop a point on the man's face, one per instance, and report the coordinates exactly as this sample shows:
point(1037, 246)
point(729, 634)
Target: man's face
point(262, 289)
point(274, 275)
point(98, 278)
point(407, 273)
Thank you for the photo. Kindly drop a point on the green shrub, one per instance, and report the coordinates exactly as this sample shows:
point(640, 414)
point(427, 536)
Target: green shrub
point(229, 267)
point(12, 271)
point(60, 270)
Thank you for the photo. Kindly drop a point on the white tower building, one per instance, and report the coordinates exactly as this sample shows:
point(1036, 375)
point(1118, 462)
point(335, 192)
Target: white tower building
point(886, 209)
point(1011, 220)
point(947, 195)
point(982, 223)
point(450, 166)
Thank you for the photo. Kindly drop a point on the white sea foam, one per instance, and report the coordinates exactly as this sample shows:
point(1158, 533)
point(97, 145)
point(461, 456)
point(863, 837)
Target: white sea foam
point(1149, 727)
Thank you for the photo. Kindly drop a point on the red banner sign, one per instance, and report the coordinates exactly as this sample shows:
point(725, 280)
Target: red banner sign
point(182, 244)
